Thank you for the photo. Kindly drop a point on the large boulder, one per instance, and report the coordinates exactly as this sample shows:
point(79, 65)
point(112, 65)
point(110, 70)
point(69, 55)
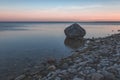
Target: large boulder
point(75, 31)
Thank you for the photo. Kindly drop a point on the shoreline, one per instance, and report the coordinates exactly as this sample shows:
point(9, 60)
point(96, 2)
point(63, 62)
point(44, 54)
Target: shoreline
point(99, 59)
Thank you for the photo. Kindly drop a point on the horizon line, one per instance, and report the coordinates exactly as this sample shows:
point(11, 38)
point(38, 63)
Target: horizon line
point(58, 21)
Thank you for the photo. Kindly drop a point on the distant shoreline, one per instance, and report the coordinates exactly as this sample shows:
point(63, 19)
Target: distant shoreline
point(59, 21)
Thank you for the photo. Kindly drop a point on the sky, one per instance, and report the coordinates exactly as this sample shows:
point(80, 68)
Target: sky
point(59, 10)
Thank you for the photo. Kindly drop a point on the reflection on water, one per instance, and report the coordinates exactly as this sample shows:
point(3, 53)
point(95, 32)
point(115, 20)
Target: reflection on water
point(24, 44)
point(74, 43)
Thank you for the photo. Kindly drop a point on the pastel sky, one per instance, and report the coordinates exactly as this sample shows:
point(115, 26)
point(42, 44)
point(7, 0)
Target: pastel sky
point(59, 10)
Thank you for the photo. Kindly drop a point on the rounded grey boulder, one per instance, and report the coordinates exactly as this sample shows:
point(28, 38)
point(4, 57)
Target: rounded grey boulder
point(74, 31)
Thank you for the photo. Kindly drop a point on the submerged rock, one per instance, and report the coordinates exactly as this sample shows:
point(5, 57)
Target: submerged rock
point(74, 43)
point(75, 31)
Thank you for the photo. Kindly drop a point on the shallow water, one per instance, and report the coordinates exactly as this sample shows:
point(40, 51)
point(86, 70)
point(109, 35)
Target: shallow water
point(23, 44)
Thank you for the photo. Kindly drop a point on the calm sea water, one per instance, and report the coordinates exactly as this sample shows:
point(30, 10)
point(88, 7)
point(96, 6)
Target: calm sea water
point(23, 44)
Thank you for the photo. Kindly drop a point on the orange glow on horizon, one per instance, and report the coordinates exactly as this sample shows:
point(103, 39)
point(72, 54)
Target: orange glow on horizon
point(58, 16)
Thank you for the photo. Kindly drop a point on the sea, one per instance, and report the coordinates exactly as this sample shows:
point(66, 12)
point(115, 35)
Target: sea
point(25, 44)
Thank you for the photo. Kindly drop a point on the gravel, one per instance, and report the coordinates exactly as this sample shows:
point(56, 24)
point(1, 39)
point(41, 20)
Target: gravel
point(98, 60)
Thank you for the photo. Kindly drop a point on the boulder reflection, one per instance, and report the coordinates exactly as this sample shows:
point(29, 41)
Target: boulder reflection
point(74, 43)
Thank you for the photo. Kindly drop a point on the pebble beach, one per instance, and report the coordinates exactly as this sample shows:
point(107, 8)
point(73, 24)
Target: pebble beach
point(99, 59)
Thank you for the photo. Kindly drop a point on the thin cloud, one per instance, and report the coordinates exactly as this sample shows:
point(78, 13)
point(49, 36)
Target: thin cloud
point(75, 7)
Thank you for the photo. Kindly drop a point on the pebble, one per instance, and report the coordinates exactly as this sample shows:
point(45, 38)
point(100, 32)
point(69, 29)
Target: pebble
point(77, 79)
point(70, 70)
point(97, 76)
point(20, 77)
point(108, 75)
point(52, 67)
point(57, 78)
point(65, 66)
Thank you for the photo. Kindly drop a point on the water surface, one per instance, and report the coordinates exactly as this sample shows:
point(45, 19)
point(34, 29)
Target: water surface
point(23, 44)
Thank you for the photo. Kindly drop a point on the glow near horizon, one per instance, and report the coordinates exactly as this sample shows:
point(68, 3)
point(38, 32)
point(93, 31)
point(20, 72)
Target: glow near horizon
point(55, 10)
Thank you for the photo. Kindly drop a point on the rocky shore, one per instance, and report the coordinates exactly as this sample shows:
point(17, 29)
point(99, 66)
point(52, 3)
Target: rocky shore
point(99, 59)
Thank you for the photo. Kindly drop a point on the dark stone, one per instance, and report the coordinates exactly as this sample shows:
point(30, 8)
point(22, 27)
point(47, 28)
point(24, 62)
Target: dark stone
point(108, 75)
point(75, 31)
